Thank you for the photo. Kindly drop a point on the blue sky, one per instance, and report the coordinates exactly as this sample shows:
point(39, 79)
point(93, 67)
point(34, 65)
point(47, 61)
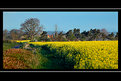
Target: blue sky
point(64, 20)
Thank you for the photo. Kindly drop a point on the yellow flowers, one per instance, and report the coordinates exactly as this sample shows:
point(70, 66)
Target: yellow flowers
point(87, 54)
point(22, 41)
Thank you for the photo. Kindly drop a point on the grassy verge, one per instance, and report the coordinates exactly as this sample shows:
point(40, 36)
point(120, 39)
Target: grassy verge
point(50, 60)
point(24, 59)
point(41, 58)
point(8, 45)
point(19, 58)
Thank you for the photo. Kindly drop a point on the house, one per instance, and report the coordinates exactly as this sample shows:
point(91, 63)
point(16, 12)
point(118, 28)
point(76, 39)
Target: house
point(50, 36)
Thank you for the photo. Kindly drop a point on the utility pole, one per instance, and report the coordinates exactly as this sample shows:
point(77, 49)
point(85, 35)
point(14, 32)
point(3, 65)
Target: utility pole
point(56, 32)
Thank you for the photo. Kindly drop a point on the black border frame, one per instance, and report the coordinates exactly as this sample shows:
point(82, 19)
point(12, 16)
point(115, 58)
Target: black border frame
point(59, 10)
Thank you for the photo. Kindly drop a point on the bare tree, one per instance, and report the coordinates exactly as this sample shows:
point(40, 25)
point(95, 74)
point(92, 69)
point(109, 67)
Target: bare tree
point(5, 34)
point(31, 27)
point(14, 34)
point(104, 31)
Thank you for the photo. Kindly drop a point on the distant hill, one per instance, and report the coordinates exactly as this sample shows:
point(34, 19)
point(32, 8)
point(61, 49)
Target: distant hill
point(52, 32)
point(113, 32)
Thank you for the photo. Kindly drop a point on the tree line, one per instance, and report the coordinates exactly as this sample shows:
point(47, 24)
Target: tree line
point(31, 30)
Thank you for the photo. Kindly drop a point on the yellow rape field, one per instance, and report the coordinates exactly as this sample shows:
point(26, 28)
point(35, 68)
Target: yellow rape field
point(86, 54)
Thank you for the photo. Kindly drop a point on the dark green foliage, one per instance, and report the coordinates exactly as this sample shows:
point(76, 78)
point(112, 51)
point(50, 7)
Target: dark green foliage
point(111, 36)
point(96, 34)
point(116, 36)
point(43, 36)
point(76, 33)
point(70, 36)
point(60, 38)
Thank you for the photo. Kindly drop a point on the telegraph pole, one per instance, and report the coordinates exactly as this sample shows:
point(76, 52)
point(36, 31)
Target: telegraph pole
point(56, 32)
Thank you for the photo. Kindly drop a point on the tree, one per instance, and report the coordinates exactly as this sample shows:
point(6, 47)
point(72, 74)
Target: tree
point(43, 36)
point(85, 33)
point(76, 33)
point(111, 36)
point(116, 36)
point(60, 37)
point(31, 27)
point(5, 33)
point(104, 31)
point(97, 34)
point(84, 36)
point(93, 34)
point(14, 34)
point(70, 36)
point(103, 36)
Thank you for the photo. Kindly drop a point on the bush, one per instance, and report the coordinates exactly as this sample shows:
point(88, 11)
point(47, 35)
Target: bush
point(20, 59)
point(6, 41)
